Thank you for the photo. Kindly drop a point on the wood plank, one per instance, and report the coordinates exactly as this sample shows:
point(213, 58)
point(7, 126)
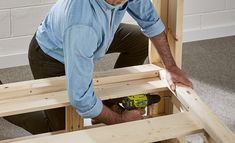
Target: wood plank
point(162, 9)
point(32, 87)
point(161, 108)
point(32, 136)
point(41, 86)
point(211, 123)
point(178, 104)
point(175, 28)
point(60, 99)
point(73, 121)
point(148, 130)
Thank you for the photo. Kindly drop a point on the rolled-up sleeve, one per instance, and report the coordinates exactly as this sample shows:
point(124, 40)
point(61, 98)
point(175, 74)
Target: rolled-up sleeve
point(146, 16)
point(80, 42)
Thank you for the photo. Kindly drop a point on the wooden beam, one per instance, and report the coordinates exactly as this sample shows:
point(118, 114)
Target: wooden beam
point(41, 86)
point(162, 9)
point(178, 104)
point(74, 122)
point(32, 137)
point(219, 132)
point(60, 99)
point(175, 28)
point(148, 130)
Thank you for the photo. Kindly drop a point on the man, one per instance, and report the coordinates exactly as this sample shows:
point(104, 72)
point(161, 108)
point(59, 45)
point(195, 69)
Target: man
point(75, 33)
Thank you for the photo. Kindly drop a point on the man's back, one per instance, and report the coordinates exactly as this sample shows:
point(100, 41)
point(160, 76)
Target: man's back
point(101, 17)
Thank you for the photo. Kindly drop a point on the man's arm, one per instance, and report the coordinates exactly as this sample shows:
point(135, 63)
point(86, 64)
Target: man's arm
point(79, 46)
point(162, 46)
point(109, 117)
point(174, 75)
point(146, 16)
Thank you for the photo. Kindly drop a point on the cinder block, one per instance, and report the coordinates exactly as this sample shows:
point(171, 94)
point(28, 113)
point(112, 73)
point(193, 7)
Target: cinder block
point(217, 19)
point(192, 22)
point(26, 20)
point(202, 6)
point(4, 23)
point(23, 3)
point(12, 46)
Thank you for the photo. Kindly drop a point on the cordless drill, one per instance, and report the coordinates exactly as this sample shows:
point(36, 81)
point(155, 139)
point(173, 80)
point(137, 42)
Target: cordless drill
point(139, 101)
point(133, 102)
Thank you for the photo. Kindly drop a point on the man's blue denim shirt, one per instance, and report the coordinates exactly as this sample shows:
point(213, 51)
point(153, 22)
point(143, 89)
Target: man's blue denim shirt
point(78, 32)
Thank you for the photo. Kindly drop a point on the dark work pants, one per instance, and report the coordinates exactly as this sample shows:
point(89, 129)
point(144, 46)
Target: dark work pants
point(128, 41)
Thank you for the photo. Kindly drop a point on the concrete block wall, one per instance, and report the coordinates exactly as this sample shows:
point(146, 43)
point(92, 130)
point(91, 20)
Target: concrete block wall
point(19, 19)
point(206, 19)
point(18, 22)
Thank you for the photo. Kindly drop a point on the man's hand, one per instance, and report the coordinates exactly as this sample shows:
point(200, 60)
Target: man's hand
point(132, 115)
point(109, 117)
point(175, 75)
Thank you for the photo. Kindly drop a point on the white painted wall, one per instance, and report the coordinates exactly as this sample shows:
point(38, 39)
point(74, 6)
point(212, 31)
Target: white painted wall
point(18, 22)
point(19, 19)
point(207, 19)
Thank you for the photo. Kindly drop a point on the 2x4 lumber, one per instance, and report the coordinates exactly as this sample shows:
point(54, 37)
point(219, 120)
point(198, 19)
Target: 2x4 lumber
point(219, 132)
point(60, 99)
point(148, 130)
point(180, 107)
point(163, 107)
point(175, 28)
point(73, 120)
point(162, 9)
point(32, 136)
point(41, 86)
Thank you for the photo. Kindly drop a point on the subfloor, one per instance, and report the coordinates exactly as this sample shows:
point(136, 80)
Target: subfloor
point(210, 64)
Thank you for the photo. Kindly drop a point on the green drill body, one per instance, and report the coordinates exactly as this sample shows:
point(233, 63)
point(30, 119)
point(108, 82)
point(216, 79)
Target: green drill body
point(139, 101)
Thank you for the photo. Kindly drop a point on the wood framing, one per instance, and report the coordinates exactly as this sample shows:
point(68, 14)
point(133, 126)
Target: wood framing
point(179, 113)
point(171, 12)
point(195, 118)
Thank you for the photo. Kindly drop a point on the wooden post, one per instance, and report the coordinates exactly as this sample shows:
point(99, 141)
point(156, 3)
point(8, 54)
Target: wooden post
point(74, 122)
point(171, 13)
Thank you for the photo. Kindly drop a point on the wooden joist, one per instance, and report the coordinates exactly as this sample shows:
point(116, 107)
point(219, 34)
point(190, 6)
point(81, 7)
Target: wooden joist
point(136, 83)
point(211, 123)
point(197, 117)
point(149, 130)
point(55, 84)
point(186, 99)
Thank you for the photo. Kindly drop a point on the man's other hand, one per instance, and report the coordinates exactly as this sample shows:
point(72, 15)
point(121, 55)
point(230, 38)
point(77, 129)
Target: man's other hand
point(175, 76)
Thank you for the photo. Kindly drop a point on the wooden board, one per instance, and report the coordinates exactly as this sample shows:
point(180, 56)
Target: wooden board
point(148, 130)
point(171, 13)
point(60, 98)
point(41, 86)
point(211, 123)
point(32, 136)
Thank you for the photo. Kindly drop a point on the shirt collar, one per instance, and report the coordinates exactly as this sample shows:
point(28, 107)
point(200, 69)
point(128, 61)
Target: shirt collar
point(108, 6)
